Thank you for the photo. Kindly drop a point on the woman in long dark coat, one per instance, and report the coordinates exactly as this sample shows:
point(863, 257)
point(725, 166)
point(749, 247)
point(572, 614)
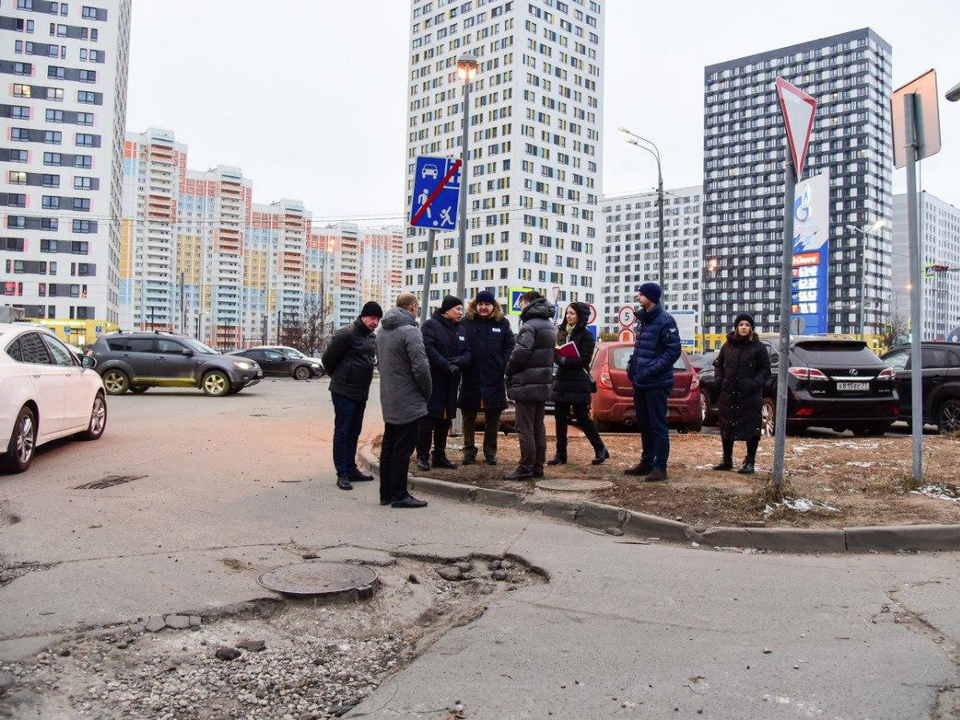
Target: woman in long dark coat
point(573, 386)
point(742, 369)
point(448, 353)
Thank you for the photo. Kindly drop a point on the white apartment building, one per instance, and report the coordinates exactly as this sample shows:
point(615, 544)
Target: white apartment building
point(342, 270)
point(382, 265)
point(535, 160)
point(939, 224)
point(631, 251)
point(63, 98)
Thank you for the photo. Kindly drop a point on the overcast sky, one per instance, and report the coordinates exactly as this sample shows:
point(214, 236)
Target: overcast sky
point(309, 96)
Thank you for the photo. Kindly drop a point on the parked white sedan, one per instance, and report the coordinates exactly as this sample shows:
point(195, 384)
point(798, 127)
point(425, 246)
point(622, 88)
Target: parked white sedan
point(46, 393)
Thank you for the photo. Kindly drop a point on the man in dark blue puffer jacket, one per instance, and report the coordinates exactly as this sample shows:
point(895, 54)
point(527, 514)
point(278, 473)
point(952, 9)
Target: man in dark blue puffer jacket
point(651, 373)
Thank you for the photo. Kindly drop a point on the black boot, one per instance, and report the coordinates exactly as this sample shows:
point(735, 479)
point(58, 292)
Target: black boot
point(343, 482)
point(357, 476)
point(602, 454)
point(747, 468)
point(559, 459)
point(443, 463)
point(422, 464)
point(727, 464)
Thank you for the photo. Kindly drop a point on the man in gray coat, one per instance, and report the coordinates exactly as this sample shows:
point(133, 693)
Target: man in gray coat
point(404, 390)
point(529, 380)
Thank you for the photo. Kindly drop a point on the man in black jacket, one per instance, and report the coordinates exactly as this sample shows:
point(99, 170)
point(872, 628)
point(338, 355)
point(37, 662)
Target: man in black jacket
point(349, 361)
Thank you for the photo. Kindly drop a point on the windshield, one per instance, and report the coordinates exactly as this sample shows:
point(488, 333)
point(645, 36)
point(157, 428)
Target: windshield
point(199, 347)
point(291, 353)
point(836, 353)
point(620, 356)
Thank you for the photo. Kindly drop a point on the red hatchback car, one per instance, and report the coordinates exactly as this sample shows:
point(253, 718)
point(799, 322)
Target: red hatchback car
point(613, 401)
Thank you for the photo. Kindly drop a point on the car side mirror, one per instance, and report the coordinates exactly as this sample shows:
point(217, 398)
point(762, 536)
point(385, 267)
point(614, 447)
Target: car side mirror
point(88, 362)
point(187, 352)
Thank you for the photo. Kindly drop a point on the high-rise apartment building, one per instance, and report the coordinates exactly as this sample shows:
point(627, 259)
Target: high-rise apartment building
point(534, 172)
point(744, 152)
point(382, 265)
point(631, 251)
point(342, 270)
point(939, 225)
point(63, 98)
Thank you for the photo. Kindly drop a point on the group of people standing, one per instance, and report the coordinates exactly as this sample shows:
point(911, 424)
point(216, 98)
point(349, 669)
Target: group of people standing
point(472, 361)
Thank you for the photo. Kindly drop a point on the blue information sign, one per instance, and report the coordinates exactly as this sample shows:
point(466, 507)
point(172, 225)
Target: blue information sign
point(811, 255)
point(431, 208)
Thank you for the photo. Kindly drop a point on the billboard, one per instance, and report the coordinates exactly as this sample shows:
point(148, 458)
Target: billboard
point(811, 254)
point(686, 326)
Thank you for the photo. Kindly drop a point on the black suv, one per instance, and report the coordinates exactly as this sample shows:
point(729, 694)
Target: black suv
point(140, 360)
point(833, 383)
point(941, 383)
point(282, 360)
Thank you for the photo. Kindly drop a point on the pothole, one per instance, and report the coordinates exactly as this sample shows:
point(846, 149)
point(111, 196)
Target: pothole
point(306, 658)
point(108, 482)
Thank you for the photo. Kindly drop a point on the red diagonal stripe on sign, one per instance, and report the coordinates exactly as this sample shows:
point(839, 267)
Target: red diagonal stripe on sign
point(436, 191)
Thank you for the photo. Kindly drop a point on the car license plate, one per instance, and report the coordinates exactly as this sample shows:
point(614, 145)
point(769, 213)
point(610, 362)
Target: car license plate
point(853, 386)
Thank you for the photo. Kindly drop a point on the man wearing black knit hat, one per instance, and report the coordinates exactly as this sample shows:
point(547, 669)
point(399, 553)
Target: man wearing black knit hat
point(349, 361)
point(448, 353)
point(650, 370)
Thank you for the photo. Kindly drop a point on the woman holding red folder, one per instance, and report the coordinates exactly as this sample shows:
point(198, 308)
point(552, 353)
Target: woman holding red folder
point(572, 385)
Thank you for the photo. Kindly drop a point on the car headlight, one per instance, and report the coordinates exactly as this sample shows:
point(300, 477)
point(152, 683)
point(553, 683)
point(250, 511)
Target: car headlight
point(243, 365)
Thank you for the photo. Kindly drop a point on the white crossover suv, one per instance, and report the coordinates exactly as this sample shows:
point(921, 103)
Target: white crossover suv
point(46, 392)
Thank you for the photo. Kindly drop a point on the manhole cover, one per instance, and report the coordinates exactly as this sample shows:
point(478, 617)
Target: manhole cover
point(321, 579)
point(109, 482)
point(574, 485)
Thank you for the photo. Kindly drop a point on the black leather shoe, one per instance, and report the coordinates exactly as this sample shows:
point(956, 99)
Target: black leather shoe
point(519, 475)
point(538, 471)
point(491, 459)
point(422, 464)
point(725, 465)
point(558, 460)
point(356, 476)
point(343, 482)
point(469, 460)
point(603, 455)
point(386, 502)
point(656, 475)
point(640, 470)
point(747, 468)
point(444, 464)
point(408, 502)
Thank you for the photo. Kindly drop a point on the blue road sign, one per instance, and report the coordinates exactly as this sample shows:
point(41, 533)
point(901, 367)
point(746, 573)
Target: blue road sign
point(66, 330)
point(592, 329)
point(515, 294)
point(99, 329)
point(441, 212)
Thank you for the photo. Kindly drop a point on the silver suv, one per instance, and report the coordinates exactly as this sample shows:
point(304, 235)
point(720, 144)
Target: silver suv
point(138, 361)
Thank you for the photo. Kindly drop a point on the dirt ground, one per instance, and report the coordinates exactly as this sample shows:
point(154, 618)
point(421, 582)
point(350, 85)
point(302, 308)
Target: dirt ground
point(831, 481)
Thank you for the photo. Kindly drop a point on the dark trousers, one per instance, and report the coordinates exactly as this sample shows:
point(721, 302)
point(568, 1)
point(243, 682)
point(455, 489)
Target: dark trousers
point(752, 445)
point(533, 435)
point(651, 407)
point(491, 426)
point(435, 431)
point(398, 444)
point(581, 413)
point(347, 424)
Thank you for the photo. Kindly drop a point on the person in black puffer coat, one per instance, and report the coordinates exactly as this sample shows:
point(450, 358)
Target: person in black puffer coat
point(448, 353)
point(491, 342)
point(742, 369)
point(529, 377)
point(573, 386)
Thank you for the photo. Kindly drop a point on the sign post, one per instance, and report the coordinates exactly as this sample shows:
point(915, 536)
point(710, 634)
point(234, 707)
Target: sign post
point(798, 110)
point(916, 135)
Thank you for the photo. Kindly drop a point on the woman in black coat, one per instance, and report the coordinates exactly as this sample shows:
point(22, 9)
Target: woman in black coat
point(573, 386)
point(448, 353)
point(742, 369)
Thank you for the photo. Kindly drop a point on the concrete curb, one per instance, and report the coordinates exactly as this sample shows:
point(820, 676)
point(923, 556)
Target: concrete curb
point(893, 538)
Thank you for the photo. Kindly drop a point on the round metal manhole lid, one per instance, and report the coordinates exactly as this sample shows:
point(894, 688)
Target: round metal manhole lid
point(321, 579)
point(574, 484)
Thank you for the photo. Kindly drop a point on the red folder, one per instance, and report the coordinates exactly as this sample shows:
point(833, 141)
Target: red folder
point(568, 350)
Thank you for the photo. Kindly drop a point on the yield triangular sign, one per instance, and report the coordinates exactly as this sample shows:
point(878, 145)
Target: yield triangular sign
point(798, 110)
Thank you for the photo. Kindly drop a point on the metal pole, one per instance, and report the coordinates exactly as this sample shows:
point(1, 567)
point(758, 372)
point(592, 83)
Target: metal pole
point(427, 273)
point(916, 291)
point(663, 273)
point(279, 326)
point(863, 285)
point(464, 186)
point(183, 307)
point(786, 292)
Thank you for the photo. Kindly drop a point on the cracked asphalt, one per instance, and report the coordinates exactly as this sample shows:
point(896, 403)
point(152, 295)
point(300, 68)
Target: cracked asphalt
point(621, 629)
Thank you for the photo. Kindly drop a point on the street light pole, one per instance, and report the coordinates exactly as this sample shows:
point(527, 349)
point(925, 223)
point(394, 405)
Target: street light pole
point(864, 234)
point(634, 139)
point(466, 70)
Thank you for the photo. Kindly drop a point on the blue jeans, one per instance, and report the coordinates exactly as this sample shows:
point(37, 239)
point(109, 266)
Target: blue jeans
point(347, 424)
point(651, 407)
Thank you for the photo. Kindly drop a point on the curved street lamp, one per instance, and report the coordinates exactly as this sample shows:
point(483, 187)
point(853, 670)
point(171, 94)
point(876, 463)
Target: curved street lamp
point(634, 139)
point(467, 68)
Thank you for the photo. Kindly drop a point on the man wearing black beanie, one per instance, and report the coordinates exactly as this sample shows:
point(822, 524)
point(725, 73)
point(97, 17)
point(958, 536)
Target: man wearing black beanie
point(349, 361)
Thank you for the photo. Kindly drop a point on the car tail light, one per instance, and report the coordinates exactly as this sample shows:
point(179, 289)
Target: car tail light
point(695, 383)
point(804, 411)
point(886, 374)
point(805, 373)
point(604, 379)
point(896, 409)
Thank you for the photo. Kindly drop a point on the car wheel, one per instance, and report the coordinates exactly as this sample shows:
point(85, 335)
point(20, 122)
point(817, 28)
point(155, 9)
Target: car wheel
point(23, 441)
point(302, 372)
point(116, 382)
point(768, 417)
point(139, 389)
point(98, 419)
point(948, 417)
point(215, 383)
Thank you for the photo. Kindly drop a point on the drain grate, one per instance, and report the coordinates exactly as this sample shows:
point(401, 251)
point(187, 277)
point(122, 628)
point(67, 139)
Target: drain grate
point(109, 482)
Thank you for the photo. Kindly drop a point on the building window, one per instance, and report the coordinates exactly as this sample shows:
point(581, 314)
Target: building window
point(52, 137)
point(19, 112)
point(23, 91)
point(83, 183)
point(88, 76)
point(55, 116)
point(87, 140)
point(18, 156)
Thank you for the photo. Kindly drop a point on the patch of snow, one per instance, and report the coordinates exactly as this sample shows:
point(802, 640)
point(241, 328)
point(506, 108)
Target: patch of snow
point(950, 493)
point(860, 464)
point(802, 505)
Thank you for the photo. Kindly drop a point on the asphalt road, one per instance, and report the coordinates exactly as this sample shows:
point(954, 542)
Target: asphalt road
point(621, 629)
